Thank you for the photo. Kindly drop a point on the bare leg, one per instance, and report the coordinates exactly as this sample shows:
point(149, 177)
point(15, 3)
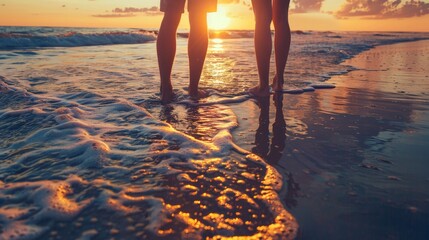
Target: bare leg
point(166, 50)
point(197, 50)
point(282, 40)
point(263, 45)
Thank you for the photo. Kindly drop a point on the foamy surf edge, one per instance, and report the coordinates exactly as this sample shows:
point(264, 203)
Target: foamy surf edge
point(93, 164)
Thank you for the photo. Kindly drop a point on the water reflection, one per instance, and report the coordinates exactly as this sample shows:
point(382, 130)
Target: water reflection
point(218, 70)
point(262, 142)
point(217, 45)
point(292, 193)
point(200, 122)
point(168, 115)
point(273, 153)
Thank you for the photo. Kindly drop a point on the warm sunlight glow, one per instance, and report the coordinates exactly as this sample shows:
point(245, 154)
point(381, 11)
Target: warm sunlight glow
point(216, 45)
point(218, 20)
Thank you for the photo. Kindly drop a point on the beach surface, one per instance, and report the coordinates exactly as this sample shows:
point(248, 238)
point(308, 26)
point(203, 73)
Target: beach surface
point(354, 158)
point(88, 150)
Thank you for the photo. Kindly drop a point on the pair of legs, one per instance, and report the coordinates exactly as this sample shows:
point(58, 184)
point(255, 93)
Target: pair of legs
point(197, 49)
point(267, 11)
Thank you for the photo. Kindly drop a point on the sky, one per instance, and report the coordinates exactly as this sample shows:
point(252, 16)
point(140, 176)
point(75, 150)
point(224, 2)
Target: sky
point(334, 15)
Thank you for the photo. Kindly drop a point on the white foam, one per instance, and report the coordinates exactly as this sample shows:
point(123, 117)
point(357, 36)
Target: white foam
point(83, 159)
point(214, 100)
point(50, 200)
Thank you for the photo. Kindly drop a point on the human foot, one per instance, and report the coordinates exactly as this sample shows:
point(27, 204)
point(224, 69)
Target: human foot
point(277, 84)
point(259, 92)
point(198, 94)
point(167, 94)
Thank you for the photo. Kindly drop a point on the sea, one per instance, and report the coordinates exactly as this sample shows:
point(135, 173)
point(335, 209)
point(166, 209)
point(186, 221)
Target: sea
point(88, 151)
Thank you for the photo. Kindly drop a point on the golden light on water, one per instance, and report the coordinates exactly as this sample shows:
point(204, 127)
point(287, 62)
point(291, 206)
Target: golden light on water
point(218, 20)
point(217, 45)
point(217, 72)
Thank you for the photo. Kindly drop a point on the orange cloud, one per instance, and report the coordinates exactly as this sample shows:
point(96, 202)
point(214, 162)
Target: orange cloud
point(129, 12)
point(150, 11)
point(378, 9)
point(304, 6)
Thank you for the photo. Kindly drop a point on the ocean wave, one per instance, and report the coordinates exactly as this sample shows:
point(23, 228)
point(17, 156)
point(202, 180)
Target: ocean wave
point(25, 40)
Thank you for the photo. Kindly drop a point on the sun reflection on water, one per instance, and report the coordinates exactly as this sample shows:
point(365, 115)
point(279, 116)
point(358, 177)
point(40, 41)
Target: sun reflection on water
point(218, 72)
point(217, 45)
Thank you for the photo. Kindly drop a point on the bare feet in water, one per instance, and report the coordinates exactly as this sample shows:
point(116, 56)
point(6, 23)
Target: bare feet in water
point(167, 94)
point(259, 92)
point(277, 84)
point(198, 94)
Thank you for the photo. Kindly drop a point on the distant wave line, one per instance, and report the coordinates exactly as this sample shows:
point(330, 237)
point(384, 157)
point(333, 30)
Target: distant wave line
point(10, 40)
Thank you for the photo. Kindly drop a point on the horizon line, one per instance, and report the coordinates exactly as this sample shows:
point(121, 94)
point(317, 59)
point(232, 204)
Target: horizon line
point(214, 30)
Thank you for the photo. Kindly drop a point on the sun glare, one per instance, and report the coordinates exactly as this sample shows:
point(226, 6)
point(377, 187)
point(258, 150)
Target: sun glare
point(218, 20)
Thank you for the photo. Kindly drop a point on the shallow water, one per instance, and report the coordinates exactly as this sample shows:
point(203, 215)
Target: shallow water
point(354, 158)
point(72, 166)
point(85, 141)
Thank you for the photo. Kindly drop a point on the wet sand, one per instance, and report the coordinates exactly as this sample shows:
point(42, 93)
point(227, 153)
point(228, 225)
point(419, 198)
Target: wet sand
point(354, 158)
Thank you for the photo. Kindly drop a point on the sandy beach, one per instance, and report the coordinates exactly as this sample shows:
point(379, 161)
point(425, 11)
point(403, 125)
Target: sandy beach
point(89, 151)
point(354, 158)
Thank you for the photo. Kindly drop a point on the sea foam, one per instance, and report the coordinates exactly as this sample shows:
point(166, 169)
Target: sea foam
point(76, 164)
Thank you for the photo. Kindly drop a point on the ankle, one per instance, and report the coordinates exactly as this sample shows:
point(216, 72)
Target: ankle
point(264, 87)
point(166, 85)
point(279, 79)
point(193, 88)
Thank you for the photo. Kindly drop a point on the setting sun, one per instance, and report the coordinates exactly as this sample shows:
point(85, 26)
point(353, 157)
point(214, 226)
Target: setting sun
point(218, 20)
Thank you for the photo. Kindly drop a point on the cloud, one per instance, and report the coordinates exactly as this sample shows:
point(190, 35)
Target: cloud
point(304, 6)
point(378, 9)
point(150, 11)
point(129, 12)
point(114, 15)
point(373, 9)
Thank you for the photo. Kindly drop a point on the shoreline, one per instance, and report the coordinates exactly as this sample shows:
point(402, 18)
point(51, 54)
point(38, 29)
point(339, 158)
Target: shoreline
point(338, 149)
